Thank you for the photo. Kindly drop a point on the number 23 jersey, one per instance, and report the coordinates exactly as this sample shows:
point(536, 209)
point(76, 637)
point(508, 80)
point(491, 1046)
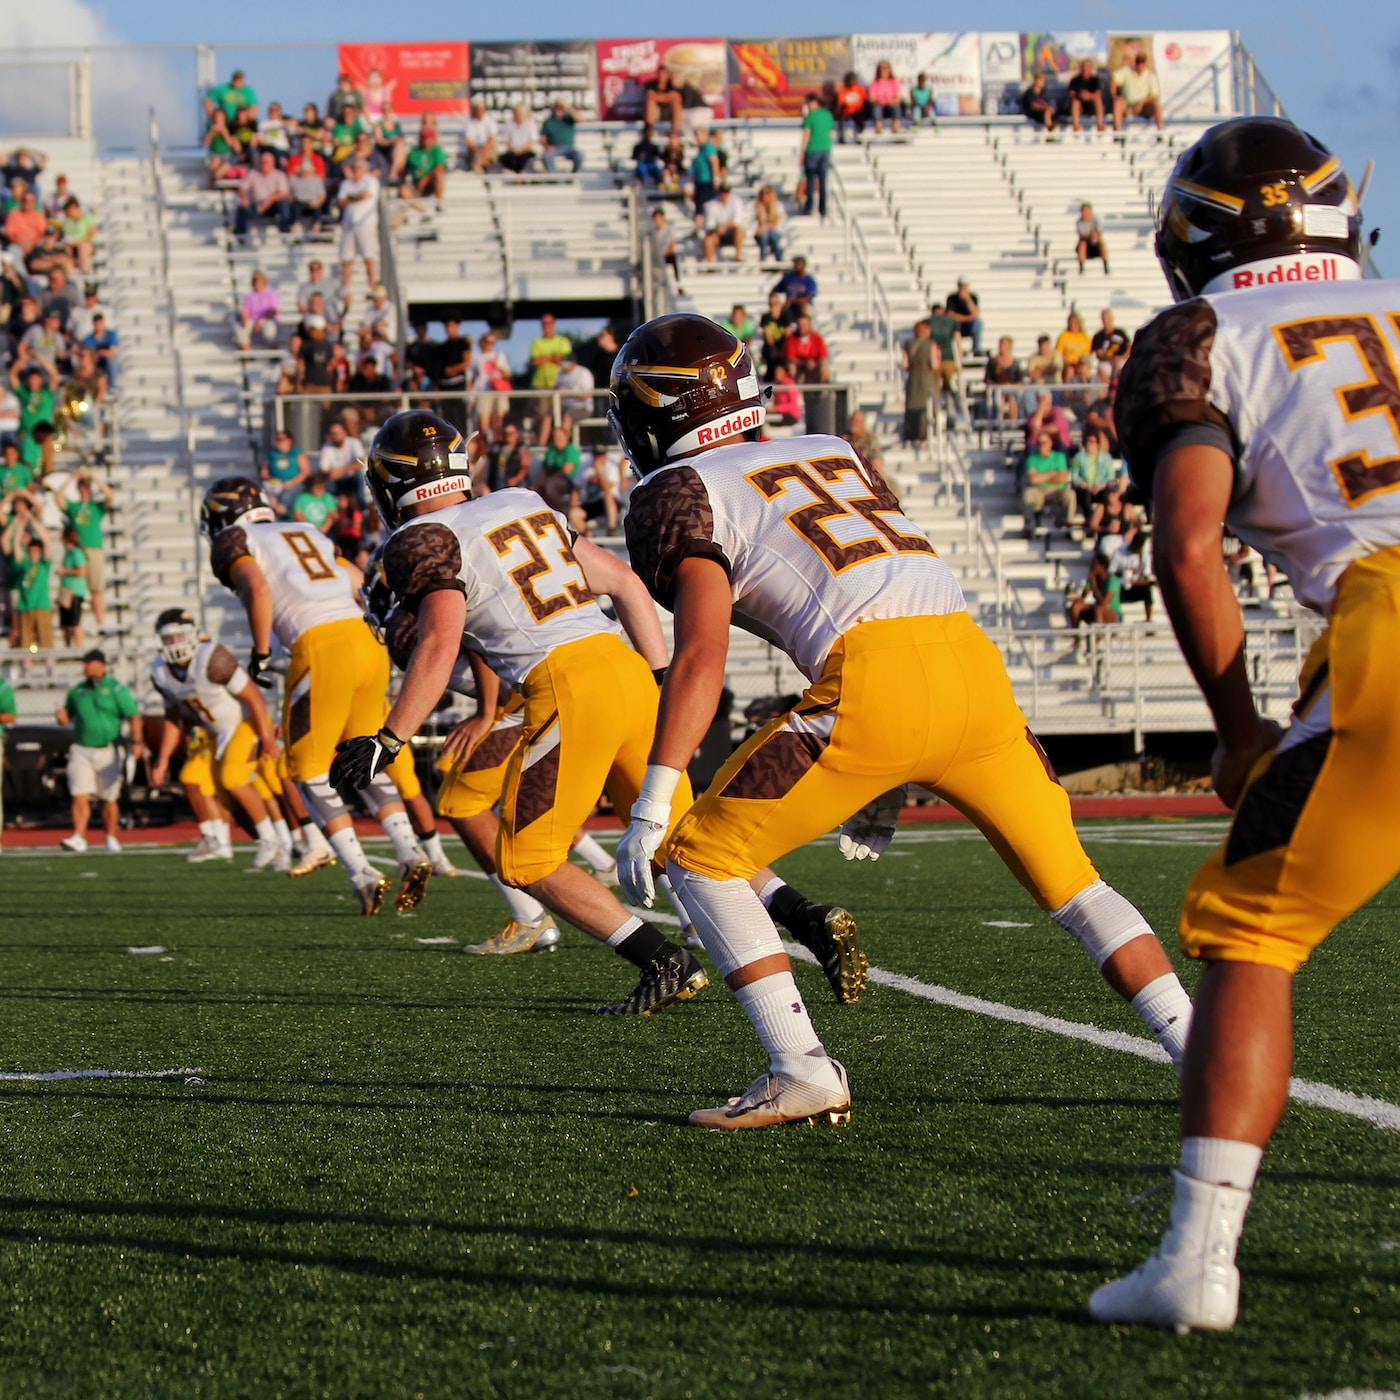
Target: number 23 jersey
point(1298, 385)
point(812, 541)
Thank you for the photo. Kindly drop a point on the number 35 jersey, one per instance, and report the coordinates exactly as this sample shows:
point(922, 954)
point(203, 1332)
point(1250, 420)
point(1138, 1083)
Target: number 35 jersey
point(813, 543)
point(512, 559)
point(309, 585)
point(1298, 385)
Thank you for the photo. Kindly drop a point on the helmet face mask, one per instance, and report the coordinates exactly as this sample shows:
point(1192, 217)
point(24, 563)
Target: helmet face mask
point(233, 500)
point(379, 599)
point(179, 636)
point(416, 457)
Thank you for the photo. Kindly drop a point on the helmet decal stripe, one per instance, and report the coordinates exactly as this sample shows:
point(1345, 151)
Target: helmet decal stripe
point(1321, 175)
point(1217, 199)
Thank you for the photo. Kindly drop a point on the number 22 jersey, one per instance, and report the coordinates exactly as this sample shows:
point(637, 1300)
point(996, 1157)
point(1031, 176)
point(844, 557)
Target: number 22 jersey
point(813, 542)
point(1297, 384)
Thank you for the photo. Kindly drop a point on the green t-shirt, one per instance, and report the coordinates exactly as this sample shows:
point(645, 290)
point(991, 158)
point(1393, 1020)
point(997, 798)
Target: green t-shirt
point(283, 466)
point(97, 710)
point(75, 230)
point(943, 331)
point(86, 519)
point(233, 99)
point(745, 330)
point(562, 459)
point(315, 510)
point(76, 584)
point(544, 376)
point(7, 697)
point(818, 124)
point(701, 171)
point(34, 408)
point(1053, 464)
point(558, 131)
point(422, 159)
point(16, 478)
point(31, 455)
point(34, 593)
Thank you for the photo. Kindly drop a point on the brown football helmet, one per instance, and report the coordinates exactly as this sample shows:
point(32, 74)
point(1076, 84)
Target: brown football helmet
point(233, 500)
point(680, 384)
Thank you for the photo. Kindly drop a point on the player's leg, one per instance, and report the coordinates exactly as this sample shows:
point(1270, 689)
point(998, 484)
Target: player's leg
point(310, 849)
point(828, 931)
point(387, 796)
point(268, 786)
point(236, 766)
point(197, 777)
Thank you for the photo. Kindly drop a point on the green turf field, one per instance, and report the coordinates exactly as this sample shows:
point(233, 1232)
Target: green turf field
point(396, 1170)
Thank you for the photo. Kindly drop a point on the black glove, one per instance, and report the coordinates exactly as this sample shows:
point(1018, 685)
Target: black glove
point(659, 676)
point(257, 668)
point(357, 761)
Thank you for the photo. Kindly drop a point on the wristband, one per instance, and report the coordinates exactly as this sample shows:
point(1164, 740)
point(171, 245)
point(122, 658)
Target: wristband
point(659, 675)
point(389, 741)
point(659, 785)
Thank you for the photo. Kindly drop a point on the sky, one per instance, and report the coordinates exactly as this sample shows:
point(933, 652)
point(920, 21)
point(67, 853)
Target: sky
point(1336, 67)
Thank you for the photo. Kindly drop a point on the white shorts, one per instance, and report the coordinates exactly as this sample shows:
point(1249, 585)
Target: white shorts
point(95, 772)
point(359, 241)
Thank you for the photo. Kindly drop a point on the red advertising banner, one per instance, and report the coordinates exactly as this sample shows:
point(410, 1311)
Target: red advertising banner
point(409, 78)
point(625, 66)
point(771, 77)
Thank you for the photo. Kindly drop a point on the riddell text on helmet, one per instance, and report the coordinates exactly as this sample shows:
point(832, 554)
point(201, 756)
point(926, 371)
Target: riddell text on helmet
point(1274, 272)
point(739, 422)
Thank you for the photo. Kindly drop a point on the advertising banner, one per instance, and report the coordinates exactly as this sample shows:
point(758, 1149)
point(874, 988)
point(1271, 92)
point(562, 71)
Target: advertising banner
point(1194, 69)
point(1001, 71)
point(536, 73)
point(951, 62)
point(771, 77)
point(1057, 53)
point(625, 66)
point(410, 78)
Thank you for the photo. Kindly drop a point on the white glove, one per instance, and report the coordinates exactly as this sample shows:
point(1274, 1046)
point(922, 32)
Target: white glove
point(865, 835)
point(651, 818)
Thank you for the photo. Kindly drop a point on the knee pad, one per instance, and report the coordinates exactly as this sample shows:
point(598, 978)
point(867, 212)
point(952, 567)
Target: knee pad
point(729, 917)
point(379, 792)
point(322, 800)
point(1101, 921)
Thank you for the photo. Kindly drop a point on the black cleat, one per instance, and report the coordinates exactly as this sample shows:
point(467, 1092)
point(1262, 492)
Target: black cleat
point(828, 932)
point(676, 977)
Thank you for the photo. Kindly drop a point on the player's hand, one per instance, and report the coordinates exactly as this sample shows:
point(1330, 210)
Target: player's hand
point(258, 663)
point(157, 774)
point(462, 742)
point(358, 761)
point(638, 848)
point(1231, 764)
point(865, 835)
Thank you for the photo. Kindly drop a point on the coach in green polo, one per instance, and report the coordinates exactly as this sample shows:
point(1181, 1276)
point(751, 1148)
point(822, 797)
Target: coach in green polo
point(97, 709)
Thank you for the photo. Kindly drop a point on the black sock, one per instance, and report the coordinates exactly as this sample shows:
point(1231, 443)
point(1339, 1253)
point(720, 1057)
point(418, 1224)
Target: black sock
point(788, 907)
point(645, 945)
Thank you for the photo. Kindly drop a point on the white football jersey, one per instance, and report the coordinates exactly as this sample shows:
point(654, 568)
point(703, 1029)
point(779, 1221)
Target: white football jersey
point(1298, 383)
point(309, 586)
point(812, 544)
point(207, 694)
point(512, 558)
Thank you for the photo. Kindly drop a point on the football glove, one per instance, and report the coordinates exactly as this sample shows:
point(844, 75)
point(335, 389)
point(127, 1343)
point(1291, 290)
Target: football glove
point(865, 835)
point(358, 761)
point(257, 668)
point(637, 850)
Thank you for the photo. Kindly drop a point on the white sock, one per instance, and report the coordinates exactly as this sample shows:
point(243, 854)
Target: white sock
point(264, 832)
point(399, 830)
point(623, 931)
point(315, 841)
point(774, 1006)
point(350, 853)
point(669, 890)
point(210, 832)
point(524, 908)
point(589, 848)
point(432, 848)
point(1220, 1161)
point(283, 833)
point(225, 833)
point(1166, 1010)
point(766, 894)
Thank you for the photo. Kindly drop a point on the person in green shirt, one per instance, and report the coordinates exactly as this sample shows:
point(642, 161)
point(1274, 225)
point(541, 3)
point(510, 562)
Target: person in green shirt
point(231, 97)
point(314, 506)
point(97, 709)
point(1046, 483)
point(33, 598)
point(7, 703)
point(740, 324)
point(547, 351)
point(286, 470)
point(72, 588)
point(562, 469)
point(560, 143)
point(86, 514)
point(817, 124)
point(1093, 472)
point(15, 475)
point(34, 382)
point(705, 171)
point(425, 169)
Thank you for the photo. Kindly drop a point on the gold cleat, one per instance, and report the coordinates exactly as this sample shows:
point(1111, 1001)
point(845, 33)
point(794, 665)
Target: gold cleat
point(516, 937)
point(775, 1100)
point(312, 860)
point(372, 891)
point(413, 884)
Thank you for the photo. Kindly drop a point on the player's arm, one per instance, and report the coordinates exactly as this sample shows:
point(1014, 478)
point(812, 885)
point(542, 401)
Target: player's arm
point(171, 730)
point(1191, 495)
point(442, 615)
point(461, 743)
point(259, 718)
point(605, 573)
point(250, 583)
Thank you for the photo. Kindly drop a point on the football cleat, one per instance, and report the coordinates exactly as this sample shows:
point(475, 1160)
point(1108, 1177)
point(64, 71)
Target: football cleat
point(446, 869)
point(371, 888)
point(265, 856)
point(114, 847)
point(677, 977)
point(204, 850)
point(829, 933)
point(516, 937)
point(775, 1099)
point(282, 861)
point(75, 842)
point(413, 884)
point(310, 860)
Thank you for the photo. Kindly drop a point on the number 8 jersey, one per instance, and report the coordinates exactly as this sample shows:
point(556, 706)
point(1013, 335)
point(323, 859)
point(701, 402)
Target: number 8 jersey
point(813, 542)
point(1297, 383)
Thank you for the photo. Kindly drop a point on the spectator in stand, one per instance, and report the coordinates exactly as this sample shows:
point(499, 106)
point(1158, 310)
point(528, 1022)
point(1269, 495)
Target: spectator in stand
point(561, 477)
point(104, 343)
point(494, 377)
point(1099, 599)
point(14, 474)
point(333, 302)
point(1136, 93)
point(328, 309)
point(265, 194)
point(369, 378)
point(86, 515)
point(705, 171)
point(1110, 345)
point(647, 159)
point(340, 453)
point(798, 289)
point(886, 97)
point(1045, 366)
point(382, 315)
point(674, 158)
point(358, 201)
point(921, 101)
point(275, 133)
point(422, 351)
point(866, 444)
point(229, 98)
point(24, 163)
point(723, 222)
point(577, 384)
point(72, 588)
point(1093, 472)
point(851, 102)
point(482, 134)
point(1037, 106)
point(786, 406)
point(312, 127)
point(547, 352)
point(245, 131)
point(315, 506)
point(456, 373)
point(558, 132)
point(225, 153)
point(522, 136)
point(97, 709)
point(285, 471)
point(816, 153)
point(387, 134)
point(1004, 372)
point(80, 317)
point(25, 225)
point(663, 96)
point(260, 314)
point(597, 355)
point(606, 483)
point(386, 359)
point(306, 183)
point(314, 356)
point(58, 297)
point(1113, 517)
point(367, 151)
point(53, 205)
point(1100, 416)
point(773, 329)
point(966, 310)
point(346, 101)
point(1048, 416)
point(1089, 239)
point(921, 363)
point(79, 234)
point(1079, 388)
point(805, 353)
point(768, 225)
point(1133, 564)
point(27, 543)
point(23, 319)
point(425, 169)
point(1086, 92)
point(504, 467)
point(35, 381)
point(1074, 343)
point(663, 244)
point(739, 323)
point(1046, 483)
point(46, 342)
point(943, 328)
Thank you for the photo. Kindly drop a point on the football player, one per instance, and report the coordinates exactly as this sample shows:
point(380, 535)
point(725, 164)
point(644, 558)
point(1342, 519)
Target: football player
point(1267, 401)
point(197, 778)
point(801, 543)
point(291, 583)
point(501, 573)
point(204, 687)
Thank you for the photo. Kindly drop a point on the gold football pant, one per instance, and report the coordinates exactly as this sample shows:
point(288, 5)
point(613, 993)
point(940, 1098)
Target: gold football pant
point(198, 768)
point(1316, 833)
point(919, 699)
point(590, 717)
point(402, 772)
point(475, 786)
point(239, 765)
point(335, 690)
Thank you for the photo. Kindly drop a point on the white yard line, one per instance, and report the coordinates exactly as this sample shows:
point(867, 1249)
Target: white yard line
point(34, 1076)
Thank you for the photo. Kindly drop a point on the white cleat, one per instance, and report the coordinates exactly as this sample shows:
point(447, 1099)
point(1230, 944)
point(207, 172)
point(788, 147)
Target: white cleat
point(774, 1099)
point(204, 850)
point(1191, 1282)
point(446, 869)
point(75, 842)
point(114, 847)
point(310, 860)
point(282, 862)
point(265, 856)
point(371, 889)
